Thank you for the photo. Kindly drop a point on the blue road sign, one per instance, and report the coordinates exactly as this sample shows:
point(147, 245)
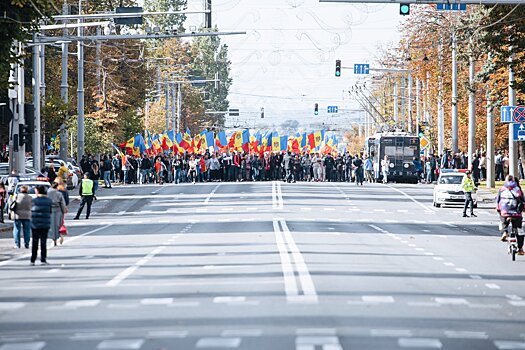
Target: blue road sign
point(332, 109)
point(507, 114)
point(518, 132)
point(519, 114)
point(361, 68)
point(451, 7)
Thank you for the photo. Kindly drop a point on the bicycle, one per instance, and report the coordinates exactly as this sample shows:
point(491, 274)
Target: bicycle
point(512, 240)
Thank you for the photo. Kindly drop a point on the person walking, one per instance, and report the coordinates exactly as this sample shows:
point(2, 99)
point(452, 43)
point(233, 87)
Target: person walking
point(21, 214)
point(468, 187)
point(87, 194)
point(40, 223)
point(58, 210)
point(3, 199)
point(107, 166)
point(385, 167)
point(63, 191)
point(369, 169)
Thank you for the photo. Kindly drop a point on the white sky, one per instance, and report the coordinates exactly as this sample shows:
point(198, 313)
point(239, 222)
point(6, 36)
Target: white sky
point(286, 61)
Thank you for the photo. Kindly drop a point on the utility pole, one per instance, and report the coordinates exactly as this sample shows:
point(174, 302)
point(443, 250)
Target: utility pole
point(207, 14)
point(36, 103)
point(471, 107)
point(173, 117)
point(396, 116)
point(179, 105)
point(167, 106)
point(21, 154)
point(491, 183)
point(64, 91)
point(455, 148)
point(440, 106)
point(418, 111)
point(513, 155)
point(80, 89)
point(14, 164)
point(410, 102)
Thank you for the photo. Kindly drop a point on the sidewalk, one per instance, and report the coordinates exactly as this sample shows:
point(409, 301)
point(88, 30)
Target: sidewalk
point(485, 195)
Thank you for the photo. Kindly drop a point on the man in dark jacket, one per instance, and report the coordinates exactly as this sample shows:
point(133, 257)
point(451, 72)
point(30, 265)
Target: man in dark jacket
point(86, 192)
point(40, 223)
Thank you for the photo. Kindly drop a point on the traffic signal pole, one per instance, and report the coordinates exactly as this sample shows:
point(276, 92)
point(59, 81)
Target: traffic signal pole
point(513, 155)
point(36, 103)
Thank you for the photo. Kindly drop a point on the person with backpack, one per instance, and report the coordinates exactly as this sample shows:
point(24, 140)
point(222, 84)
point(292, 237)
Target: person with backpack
point(510, 202)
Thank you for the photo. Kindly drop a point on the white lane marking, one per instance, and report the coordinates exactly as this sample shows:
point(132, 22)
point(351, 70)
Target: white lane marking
point(307, 283)
point(220, 300)
point(156, 301)
point(513, 297)
point(329, 209)
point(484, 306)
point(423, 304)
point(419, 343)
point(476, 277)
point(460, 269)
point(218, 343)
point(449, 264)
point(121, 344)
point(492, 286)
point(324, 342)
point(248, 219)
point(130, 270)
point(427, 209)
point(509, 345)
point(451, 301)
point(167, 334)
point(378, 299)
point(122, 306)
point(224, 220)
point(92, 336)
point(438, 258)
point(402, 210)
point(316, 331)
point(7, 306)
point(466, 335)
point(207, 200)
point(420, 249)
point(82, 303)
point(378, 229)
point(24, 346)
point(53, 271)
point(391, 333)
point(517, 302)
point(185, 304)
point(290, 284)
point(241, 333)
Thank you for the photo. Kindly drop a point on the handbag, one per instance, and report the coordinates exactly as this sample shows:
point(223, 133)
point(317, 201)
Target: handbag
point(63, 229)
point(12, 205)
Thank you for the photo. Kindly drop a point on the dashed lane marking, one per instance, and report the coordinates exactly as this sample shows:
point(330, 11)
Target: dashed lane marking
point(130, 270)
point(466, 335)
point(492, 286)
point(396, 333)
point(121, 344)
point(207, 200)
point(8, 306)
point(167, 334)
point(419, 343)
point(509, 345)
point(24, 346)
point(218, 343)
point(241, 333)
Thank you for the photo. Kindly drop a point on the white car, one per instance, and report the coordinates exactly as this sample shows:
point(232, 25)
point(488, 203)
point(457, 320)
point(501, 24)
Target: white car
point(449, 191)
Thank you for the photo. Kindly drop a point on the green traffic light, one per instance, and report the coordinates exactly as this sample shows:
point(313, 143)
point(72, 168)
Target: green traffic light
point(404, 9)
point(337, 73)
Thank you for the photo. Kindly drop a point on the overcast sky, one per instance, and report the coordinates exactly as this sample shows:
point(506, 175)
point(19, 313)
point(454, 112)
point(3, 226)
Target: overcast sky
point(286, 61)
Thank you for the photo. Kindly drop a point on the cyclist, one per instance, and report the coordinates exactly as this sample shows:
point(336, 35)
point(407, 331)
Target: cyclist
point(510, 203)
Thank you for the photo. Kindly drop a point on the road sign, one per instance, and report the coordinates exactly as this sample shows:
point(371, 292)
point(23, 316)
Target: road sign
point(423, 143)
point(332, 109)
point(361, 68)
point(507, 114)
point(451, 7)
point(233, 112)
point(518, 132)
point(519, 114)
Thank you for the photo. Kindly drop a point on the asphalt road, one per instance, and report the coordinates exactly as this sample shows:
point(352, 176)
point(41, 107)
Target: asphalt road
point(301, 266)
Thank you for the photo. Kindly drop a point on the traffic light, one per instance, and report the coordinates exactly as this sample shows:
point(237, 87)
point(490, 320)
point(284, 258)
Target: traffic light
point(262, 112)
point(404, 9)
point(338, 68)
point(316, 109)
point(25, 134)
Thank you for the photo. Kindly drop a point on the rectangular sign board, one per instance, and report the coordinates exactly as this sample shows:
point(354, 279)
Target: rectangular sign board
point(506, 114)
point(451, 7)
point(361, 68)
point(332, 109)
point(467, 2)
point(518, 132)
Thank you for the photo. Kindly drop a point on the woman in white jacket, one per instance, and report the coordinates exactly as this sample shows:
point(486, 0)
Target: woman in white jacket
point(385, 167)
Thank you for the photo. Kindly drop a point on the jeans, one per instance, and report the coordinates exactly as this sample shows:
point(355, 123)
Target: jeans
point(107, 178)
point(125, 177)
point(177, 176)
point(468, 201)
point(26, 224)
point(39, 234)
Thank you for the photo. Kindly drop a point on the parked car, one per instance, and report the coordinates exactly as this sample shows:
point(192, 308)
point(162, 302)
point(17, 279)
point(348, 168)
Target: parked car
point(31, 174)
point(448, 189)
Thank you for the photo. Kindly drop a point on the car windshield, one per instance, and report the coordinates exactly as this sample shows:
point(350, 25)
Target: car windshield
point(31, 188)
point(450, 180)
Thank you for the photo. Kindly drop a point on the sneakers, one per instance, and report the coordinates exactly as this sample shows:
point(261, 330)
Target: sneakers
point(76, 218)
point(44, 263)
point(503, 237)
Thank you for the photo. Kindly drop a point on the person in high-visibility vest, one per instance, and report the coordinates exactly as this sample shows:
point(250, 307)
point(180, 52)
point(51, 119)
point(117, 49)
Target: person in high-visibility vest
point(87, 194)
point(468, 187)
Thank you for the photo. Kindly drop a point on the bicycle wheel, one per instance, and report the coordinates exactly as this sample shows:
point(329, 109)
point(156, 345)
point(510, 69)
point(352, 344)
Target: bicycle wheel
point(514, 251)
